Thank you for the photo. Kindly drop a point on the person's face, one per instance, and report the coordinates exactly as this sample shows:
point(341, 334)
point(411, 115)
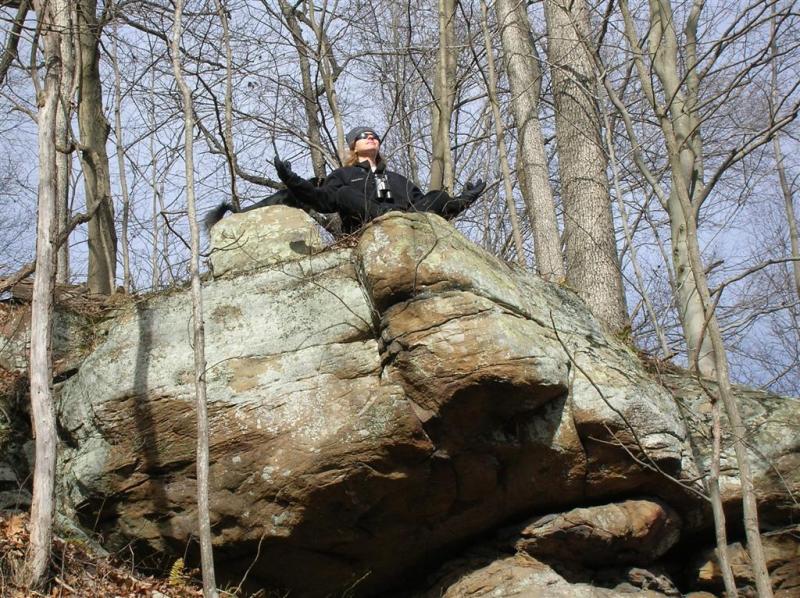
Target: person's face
point(367, 143)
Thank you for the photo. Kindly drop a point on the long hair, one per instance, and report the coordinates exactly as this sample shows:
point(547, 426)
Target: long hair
point(351, 158)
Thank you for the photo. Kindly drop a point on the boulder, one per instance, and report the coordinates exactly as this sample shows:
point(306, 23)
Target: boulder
point(524, 576)
point(266, 236)
point(371, 408)
point(633, 531)
point(773, 441)
point(782, 555)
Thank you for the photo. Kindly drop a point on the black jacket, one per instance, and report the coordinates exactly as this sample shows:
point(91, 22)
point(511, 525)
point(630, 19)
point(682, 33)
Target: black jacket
point(358, 194)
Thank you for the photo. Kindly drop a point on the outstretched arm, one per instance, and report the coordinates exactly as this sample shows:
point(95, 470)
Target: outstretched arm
point(303, 193)
point(440, 202)
point(333, 196)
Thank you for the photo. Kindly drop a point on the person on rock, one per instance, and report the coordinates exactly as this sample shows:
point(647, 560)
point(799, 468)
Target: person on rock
point(361, 190)
point(364, 188)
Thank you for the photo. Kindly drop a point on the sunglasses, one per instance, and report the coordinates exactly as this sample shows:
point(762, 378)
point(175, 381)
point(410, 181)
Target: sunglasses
point(368, 135)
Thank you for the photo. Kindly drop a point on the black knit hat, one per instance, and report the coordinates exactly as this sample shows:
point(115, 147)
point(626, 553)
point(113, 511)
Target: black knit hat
point(352, 136)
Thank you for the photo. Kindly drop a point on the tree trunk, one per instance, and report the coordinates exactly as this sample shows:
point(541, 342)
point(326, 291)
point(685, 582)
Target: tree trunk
point(330, 73)
point(491, 89)
point(738, 430)
point(690, 309)
point(309, 89)
point(791, 218)
point(715, 497)
point(230, 151)
point(525, 78)
point(685, 127)
point(682, 137)
point(12, 40)
point(51, 19)
point(680, 128)
point(94, 131)
point(127, 282)
point(155, 274)
point(591, 252)
point(444, 94)
point(203, 518)
point(623, 216)
point(63, 140)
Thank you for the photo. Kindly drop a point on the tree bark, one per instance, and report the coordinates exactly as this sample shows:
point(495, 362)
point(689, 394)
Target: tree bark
point(155, 274)
point(491, 89)
point(791, 218)
point(94, 129)
point(444, 94)
point(680, 126)
point(50, 15)
point(227, 135)
point(591, 252)
point(623, 216)
point(688, 141)
point(330, 71)
point(203, 518)
point(715, 497)
point(525, 78)
point(64, 139)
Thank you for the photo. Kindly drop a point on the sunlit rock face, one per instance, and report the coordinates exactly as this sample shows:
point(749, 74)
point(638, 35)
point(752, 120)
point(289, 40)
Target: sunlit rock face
point(263, 237)
point(371, 408)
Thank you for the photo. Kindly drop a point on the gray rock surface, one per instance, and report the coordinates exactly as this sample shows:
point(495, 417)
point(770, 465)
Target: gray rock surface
point(370, 408)
point(262, 237)
point(773, 439)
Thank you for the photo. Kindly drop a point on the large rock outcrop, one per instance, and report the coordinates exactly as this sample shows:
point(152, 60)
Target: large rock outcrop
point(372, 408)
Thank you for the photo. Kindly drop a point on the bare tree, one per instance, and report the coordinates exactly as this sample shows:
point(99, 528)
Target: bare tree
point(12, 39)
point(251, 89)
point(94, 129)
point(491, 89)
point(127, 282)
point(329, 69)
point(738, 429)
point(786, 188)
point(64, 136)
point(682, 108)
point(444, 94)
point(590, 244)
point(684, 124)
point(230, 150)
point(521, 61)
point(637, 270)
point(51, 19)
point(309, 90)
point(203, 518)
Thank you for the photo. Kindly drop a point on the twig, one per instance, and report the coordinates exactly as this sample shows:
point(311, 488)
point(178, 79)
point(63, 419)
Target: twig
point(250, 567)
point(28, 269)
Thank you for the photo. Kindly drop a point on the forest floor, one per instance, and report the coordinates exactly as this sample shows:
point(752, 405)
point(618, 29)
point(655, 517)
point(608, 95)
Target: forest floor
point(75, 571)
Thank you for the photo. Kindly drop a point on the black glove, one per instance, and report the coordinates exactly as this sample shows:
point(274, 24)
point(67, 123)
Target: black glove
point(472, 191)
point(286, 174)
